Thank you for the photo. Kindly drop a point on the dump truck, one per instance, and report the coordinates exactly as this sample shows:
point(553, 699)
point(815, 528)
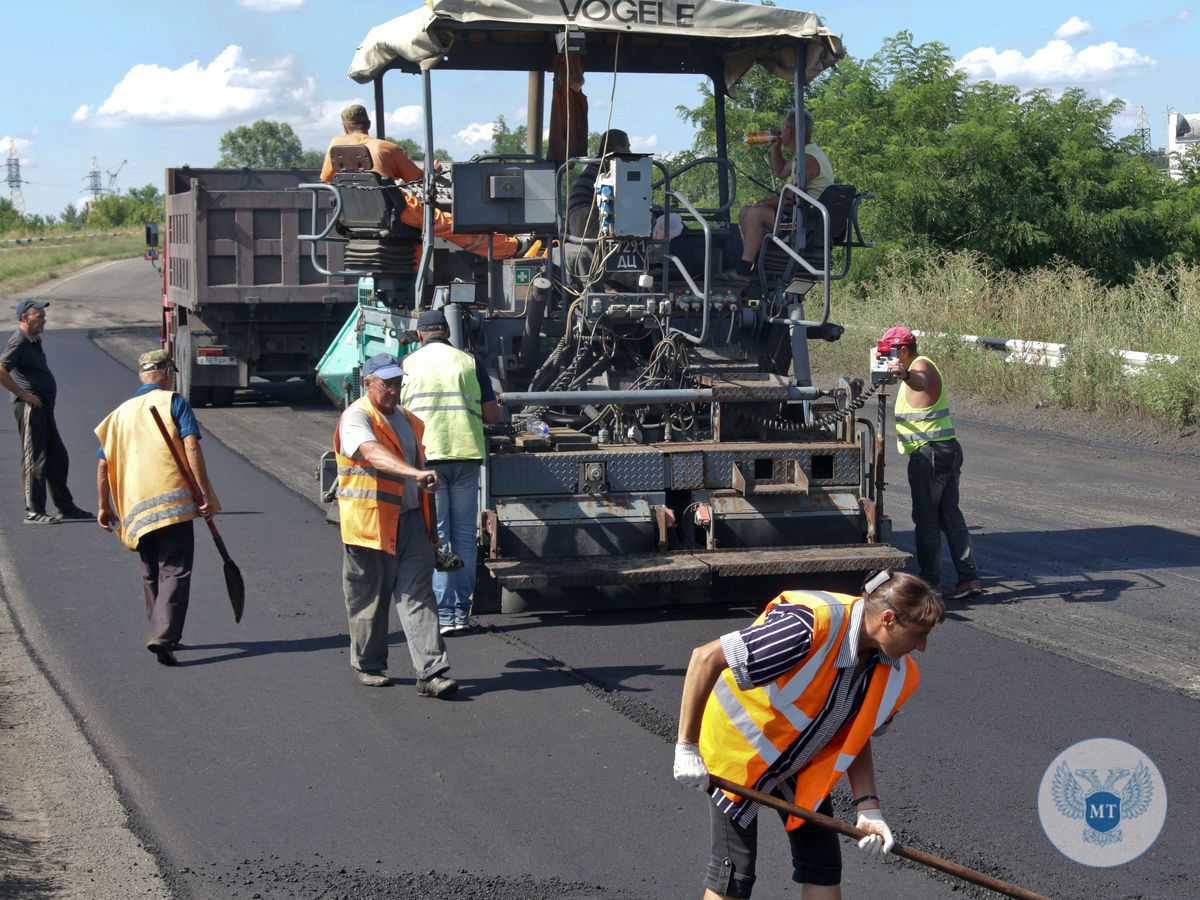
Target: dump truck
point(241, 296)
point(662, 424)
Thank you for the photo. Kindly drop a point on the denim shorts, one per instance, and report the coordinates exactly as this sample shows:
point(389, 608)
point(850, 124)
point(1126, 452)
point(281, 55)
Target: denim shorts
point(816, 855)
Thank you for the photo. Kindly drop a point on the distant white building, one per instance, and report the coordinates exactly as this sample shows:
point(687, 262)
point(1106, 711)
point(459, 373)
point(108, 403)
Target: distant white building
point(1183, 136)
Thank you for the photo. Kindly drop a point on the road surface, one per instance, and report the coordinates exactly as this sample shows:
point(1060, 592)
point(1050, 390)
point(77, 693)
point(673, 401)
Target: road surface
point(261, 767)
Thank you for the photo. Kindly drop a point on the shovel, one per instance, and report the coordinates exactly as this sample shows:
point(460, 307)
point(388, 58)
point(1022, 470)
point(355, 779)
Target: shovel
point(233, 576)
point(928, 859)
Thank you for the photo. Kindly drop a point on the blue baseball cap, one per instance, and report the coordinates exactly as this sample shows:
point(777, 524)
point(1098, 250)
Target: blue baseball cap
point(29, 303)
point(383, 365)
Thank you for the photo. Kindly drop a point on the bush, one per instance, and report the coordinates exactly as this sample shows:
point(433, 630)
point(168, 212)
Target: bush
point(1170, 392)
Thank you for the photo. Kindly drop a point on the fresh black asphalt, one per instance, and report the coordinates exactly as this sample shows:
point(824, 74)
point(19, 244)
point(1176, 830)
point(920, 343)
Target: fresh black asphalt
point(261, 768)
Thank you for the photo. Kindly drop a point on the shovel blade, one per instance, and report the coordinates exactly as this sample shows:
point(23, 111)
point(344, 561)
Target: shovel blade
point(236, 588)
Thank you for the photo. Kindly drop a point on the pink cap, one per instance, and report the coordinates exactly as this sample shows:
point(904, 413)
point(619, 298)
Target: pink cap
point(896, 337)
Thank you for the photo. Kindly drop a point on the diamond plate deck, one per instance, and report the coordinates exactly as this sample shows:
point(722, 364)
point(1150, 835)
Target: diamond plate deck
point(656, 568)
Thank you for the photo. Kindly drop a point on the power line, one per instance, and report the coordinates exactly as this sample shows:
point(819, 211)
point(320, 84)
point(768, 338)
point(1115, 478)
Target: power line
point(15, 195)
point(93, 180)
point(1142, 131)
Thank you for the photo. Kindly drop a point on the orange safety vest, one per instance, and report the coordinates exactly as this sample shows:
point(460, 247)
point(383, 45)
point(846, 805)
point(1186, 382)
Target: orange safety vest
point(369, 500)
point(745, 731)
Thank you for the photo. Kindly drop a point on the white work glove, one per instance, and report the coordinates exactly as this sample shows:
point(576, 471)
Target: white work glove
point(881, 840)
point(690, 770)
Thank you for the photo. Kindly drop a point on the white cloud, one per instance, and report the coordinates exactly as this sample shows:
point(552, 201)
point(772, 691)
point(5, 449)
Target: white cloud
point(1056, 63)
point(271, 6)
point(404, 118)
point(8, 141)
point(82, 113)
point(477, 133)
point(1179, 17)
point(639, 144)
point(1073, 27)
point(231, 86)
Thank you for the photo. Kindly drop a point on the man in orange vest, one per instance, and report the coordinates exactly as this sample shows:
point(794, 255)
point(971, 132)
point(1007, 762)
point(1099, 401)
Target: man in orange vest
point(789, 705)
point(387, 531)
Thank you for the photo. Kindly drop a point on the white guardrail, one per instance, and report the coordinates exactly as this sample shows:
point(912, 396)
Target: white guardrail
point(1041, 353)
point(60, 237)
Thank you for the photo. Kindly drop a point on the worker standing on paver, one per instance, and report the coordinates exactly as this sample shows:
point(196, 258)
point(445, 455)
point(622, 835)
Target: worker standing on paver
point(143, 494)
point(383, 501)
point(449, 391)
point(925, 434)
point(787, 706)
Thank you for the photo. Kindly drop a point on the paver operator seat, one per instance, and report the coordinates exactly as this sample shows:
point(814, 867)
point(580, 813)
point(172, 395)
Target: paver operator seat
point(377, 241)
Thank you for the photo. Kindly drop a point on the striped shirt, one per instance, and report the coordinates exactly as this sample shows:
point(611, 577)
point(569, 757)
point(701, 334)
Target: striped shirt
point(760, 654)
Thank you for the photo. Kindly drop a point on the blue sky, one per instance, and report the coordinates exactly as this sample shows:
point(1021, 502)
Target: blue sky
point(154, 85)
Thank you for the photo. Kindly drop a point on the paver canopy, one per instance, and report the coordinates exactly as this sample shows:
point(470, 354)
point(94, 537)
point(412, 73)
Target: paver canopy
point(709, 37)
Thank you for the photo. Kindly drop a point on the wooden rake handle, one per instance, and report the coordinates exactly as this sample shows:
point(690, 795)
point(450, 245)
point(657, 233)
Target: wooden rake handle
point(187, 476)
point(928, 859)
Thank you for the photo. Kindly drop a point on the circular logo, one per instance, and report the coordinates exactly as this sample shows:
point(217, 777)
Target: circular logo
point(1102, 802)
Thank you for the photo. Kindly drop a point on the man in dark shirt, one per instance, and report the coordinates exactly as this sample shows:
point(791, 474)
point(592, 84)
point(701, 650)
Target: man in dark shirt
point(44, 462)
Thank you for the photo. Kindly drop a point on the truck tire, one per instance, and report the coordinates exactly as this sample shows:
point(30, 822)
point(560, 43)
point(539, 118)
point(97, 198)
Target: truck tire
point(185, 360)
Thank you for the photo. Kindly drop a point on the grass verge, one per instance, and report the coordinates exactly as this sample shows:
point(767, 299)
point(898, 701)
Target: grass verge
point(957, 293)
point(24, 265)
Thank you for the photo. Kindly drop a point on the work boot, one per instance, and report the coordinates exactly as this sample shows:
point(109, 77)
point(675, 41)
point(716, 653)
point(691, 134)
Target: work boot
point(438, 686)
point(373, 678)
point(163, 653)
point(965, 590)
point(76, 513)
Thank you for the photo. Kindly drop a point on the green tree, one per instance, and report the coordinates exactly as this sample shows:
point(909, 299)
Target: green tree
point(416, 152)
point(508, 140)
point(144, 204)
point(1021, 178)
point(71, 216)
point(265, 144)
point(10, 219)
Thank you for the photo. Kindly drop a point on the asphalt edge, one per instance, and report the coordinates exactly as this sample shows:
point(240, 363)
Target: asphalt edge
point(86, 793)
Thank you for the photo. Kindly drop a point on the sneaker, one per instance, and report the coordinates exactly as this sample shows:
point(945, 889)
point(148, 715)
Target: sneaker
point(465, 625)
point(41, 519)
point(373, 678)
point(965, 590)
point(76, 513)
point(437, 686)
point(447, 630)
point(164, 654)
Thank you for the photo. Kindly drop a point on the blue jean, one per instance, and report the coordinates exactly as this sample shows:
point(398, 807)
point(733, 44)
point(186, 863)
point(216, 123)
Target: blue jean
point(457, 502)
point(933, 471)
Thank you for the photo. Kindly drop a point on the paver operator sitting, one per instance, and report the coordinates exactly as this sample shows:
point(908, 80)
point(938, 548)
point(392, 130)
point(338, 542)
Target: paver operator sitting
point(758, 218)
point(390, 161)
point(790, 704)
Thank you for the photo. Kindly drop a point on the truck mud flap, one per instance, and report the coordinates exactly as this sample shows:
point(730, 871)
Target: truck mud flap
point(697, 568)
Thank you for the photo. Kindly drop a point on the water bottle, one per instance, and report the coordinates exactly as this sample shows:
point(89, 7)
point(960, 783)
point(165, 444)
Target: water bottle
point(538, 427)
point(761, 137)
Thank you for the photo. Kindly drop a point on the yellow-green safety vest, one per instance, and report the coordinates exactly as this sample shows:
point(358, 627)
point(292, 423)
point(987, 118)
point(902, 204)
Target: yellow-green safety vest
point(442, 390)
point(916, 426)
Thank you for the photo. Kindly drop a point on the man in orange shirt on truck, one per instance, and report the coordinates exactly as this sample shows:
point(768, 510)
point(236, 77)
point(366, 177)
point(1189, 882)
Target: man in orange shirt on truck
point(390, 161)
